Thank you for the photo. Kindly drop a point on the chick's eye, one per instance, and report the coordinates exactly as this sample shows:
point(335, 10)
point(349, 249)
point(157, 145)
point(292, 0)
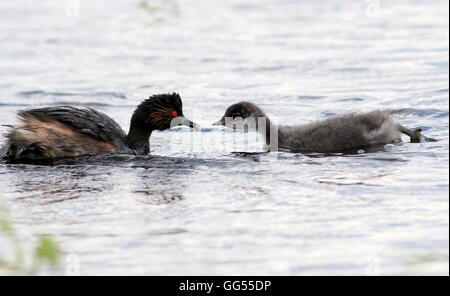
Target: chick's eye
point(174, 113)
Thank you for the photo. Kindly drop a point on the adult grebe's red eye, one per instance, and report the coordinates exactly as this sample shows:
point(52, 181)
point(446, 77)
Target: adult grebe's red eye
point(174, 113)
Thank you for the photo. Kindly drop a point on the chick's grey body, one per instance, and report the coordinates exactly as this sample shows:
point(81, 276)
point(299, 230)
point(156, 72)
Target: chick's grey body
point(336, 134)
point(350, 131)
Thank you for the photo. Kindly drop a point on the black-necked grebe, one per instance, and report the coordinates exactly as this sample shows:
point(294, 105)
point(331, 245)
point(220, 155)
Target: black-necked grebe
point(61, 132)
point(336, 134)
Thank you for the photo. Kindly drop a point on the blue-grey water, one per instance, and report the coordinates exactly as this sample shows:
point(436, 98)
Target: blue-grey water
point(195, 208)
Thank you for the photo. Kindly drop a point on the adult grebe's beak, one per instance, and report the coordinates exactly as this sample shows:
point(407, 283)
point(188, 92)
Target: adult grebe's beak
point(195, 126)
point(220, 122)
point(181, 120)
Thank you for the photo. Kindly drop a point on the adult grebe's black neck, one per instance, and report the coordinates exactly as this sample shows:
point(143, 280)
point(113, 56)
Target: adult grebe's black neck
point(138, 138)
point(155, 113)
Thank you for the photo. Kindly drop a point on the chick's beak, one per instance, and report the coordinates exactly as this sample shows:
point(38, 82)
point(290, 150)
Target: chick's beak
point(220, 122)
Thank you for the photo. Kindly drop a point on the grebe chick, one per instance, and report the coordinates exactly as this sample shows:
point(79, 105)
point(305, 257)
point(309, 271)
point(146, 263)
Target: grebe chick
point(61, 132)
point(336, 134)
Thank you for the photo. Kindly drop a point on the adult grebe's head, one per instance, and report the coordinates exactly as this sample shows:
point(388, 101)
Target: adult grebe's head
point(241, 116)
point(161, 112)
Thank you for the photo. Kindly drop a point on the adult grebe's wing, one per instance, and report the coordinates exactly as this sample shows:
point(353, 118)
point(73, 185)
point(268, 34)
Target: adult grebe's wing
point(61, 132)
point(83, 120)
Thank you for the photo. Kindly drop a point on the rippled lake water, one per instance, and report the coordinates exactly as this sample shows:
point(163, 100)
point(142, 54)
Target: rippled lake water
point(198, 209)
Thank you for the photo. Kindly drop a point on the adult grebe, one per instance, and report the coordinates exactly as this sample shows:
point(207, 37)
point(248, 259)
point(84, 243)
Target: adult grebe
point(61, 132)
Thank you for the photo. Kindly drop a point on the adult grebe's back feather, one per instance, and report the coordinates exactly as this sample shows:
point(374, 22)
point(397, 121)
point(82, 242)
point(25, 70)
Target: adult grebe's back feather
point(46, 136)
